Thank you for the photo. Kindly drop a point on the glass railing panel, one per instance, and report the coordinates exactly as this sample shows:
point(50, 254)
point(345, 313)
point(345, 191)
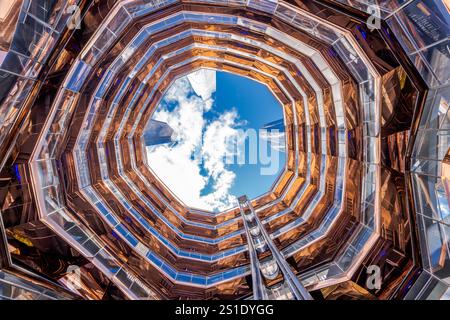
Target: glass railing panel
point(141, 7)
point(423, 29)
point(107, 261)
point(268, 6)
point(61, 219)
point(77, 234)
point(437, 235)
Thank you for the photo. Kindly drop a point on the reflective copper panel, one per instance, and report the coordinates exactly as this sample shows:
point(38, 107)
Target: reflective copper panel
point(364, 94)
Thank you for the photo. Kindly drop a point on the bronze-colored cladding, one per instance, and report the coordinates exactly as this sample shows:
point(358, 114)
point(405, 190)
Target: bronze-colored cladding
point(393, 251)
point(399, 98)
point(315, 254)
point(347, 290)
point(9, 13)
point(316, 119)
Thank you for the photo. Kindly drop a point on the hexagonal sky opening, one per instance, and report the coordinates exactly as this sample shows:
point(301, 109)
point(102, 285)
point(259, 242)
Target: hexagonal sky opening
point(215, 136)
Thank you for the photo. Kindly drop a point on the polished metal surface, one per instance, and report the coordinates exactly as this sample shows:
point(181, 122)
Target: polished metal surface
point(367, 166)
point(273, 266)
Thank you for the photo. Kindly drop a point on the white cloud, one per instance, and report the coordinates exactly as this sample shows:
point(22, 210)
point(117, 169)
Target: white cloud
point(203, 81)
point(218, 142)
point(175, 166)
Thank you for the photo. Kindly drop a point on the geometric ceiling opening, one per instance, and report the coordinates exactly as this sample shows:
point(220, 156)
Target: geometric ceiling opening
point(214, 137)
point(353, 97)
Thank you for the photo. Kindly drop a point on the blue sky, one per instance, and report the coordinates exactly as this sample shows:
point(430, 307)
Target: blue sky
point(257, 105)
point(207, 110)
